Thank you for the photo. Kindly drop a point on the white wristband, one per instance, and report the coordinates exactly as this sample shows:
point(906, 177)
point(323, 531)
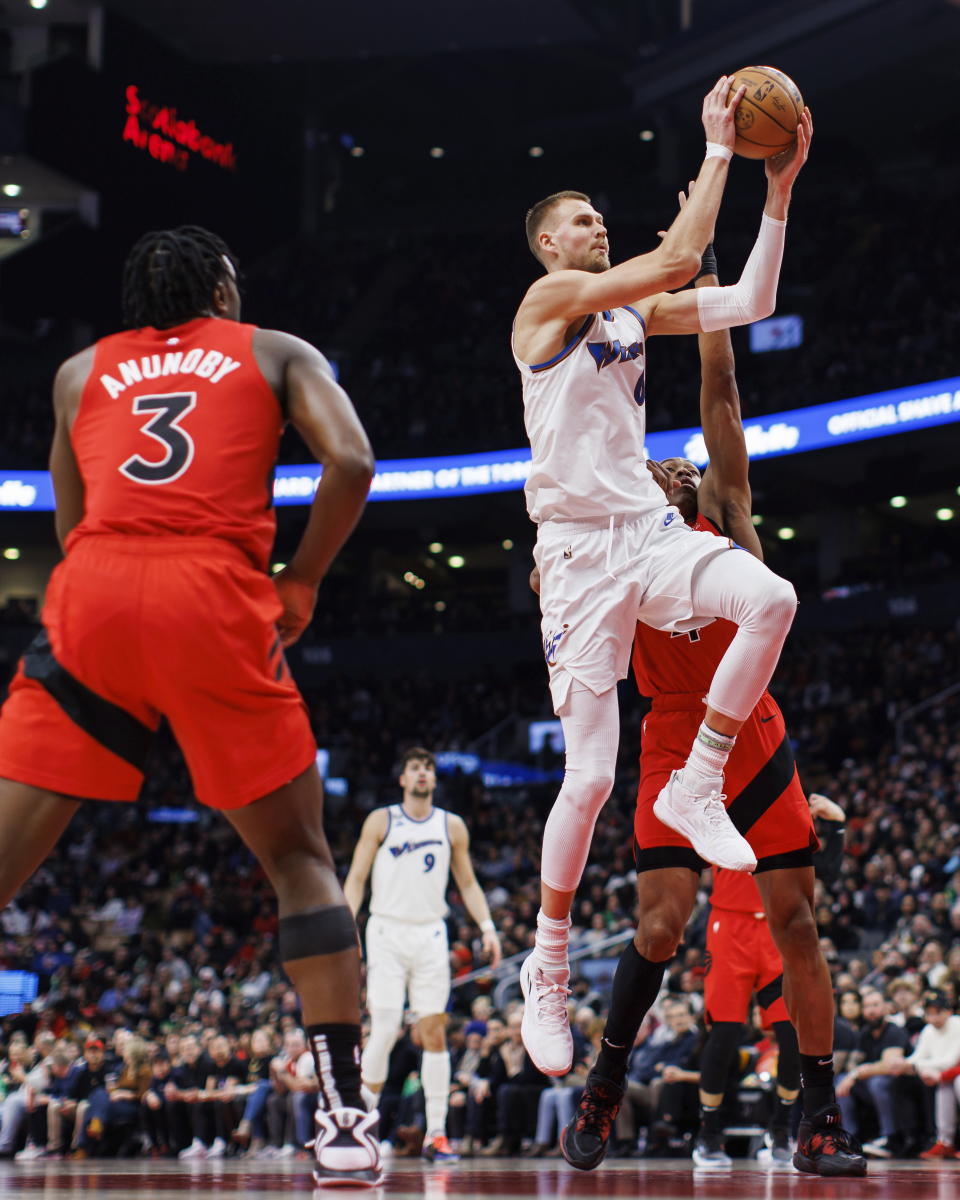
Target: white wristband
point(715, 150)
point(487, 927)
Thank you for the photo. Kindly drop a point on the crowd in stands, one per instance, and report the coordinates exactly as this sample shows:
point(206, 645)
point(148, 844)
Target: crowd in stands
point(418, 322)
point(164, 1024)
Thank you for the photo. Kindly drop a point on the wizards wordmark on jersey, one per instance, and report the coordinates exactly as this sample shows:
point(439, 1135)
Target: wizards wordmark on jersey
point(410, 847)
point(606, 354)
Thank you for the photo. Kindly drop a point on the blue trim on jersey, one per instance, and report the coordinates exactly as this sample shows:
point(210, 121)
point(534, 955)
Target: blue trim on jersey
point(568, 349)
point(607, 314)
point(422, 820)
point(389, 822)
point(446, 826)
point(637, 315)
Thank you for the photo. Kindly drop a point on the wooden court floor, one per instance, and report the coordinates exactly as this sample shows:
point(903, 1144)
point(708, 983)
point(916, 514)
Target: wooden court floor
point(233, 1179)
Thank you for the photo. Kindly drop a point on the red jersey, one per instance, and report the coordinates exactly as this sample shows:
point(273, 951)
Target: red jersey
point(671, 664)
point(667, 663)
point(735, 890)
point(177, 433)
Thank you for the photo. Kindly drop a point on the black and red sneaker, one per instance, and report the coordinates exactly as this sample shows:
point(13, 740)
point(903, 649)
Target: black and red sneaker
point(825, 1148)
point(583, 1142)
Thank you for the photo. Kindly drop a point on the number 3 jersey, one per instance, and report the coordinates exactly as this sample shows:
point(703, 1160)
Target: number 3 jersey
point(411, 868)
point(177, 432)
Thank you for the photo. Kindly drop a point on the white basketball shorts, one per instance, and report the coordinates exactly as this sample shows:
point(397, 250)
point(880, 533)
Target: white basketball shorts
point(407, 961)
point(598, 580)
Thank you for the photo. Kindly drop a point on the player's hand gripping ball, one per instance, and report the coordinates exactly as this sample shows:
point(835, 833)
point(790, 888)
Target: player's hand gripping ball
point(767, 117)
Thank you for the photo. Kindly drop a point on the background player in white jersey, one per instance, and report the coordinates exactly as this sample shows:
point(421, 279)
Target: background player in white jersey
point(609, 550)
point(412, 847)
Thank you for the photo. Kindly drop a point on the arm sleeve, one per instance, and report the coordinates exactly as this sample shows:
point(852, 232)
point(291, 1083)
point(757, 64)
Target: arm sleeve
point(754, 295)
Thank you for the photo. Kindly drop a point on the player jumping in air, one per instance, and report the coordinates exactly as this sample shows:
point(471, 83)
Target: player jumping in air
point(609, 550)
point(766, 804)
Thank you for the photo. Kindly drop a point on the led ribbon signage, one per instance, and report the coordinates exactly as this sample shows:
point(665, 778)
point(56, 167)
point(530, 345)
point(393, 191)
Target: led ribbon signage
point(794, 432)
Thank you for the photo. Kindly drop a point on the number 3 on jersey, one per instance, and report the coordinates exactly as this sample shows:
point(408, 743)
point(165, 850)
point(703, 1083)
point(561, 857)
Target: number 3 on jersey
point(165, 428)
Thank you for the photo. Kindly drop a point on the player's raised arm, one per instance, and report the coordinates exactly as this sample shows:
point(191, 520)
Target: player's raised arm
point(754, 295)
point(371, 835)
point(576, 284)
point(324, 417)
point(724, 495)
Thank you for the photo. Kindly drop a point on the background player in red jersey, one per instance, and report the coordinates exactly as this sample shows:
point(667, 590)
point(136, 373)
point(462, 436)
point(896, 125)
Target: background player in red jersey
point(743, 961)
point(765, 802)
point(166, 436)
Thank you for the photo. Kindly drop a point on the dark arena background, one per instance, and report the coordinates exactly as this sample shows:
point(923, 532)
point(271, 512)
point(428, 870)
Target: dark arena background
point(370, 165)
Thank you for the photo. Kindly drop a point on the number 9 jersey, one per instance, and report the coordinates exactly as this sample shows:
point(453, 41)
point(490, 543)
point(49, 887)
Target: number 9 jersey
point(177, 432)
point(412, 868)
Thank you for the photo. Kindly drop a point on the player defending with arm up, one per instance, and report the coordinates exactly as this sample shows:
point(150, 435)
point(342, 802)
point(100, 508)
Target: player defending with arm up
point(609, 550)
point(411, 848)
point(766, 803)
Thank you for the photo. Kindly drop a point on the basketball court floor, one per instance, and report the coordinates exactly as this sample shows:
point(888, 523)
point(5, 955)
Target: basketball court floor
point(507, 1179)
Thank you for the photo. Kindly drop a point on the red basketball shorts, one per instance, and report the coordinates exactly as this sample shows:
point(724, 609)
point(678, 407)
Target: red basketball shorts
point(139, 628)
point(764, 797)
point(742, 960)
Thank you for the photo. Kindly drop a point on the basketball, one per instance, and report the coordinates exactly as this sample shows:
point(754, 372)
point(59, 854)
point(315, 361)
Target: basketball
point(768, 114)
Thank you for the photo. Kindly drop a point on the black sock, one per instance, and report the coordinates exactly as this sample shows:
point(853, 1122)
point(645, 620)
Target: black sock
point(710, 1120)
point(816, 1082)
point(336, 1054)
point(636, 984)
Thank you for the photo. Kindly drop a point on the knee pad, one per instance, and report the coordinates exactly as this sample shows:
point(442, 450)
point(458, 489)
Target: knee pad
point(327, 929)
point(780, 603)
point(586, 788)
point(384, 1026)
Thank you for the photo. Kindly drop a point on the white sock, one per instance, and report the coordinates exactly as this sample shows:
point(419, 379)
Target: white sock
point(370, 1098)
point(708, 757)
point(553, 936)
point(435, 1078)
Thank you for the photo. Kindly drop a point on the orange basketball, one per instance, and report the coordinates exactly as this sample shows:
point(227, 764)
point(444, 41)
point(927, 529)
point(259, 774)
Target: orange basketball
point(768, 115)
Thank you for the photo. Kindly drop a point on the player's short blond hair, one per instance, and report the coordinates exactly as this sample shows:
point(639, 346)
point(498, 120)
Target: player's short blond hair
point(540, 213)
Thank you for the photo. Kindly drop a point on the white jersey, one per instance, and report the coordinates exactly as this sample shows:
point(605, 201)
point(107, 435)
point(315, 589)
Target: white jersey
point(585, 418)
point(411, 869)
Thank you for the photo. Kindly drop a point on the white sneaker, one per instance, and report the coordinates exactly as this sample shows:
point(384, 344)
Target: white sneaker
point(218, 1149)
point(545, 1028)
point(196, 1149)
point(286, 1151)
point(704, 822)
point(709, 1153)
point(30, 1151)
point(776, 1151)
point(347, 1148)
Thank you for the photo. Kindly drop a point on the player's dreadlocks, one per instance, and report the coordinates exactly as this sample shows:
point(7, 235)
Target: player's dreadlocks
point(170, 276)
